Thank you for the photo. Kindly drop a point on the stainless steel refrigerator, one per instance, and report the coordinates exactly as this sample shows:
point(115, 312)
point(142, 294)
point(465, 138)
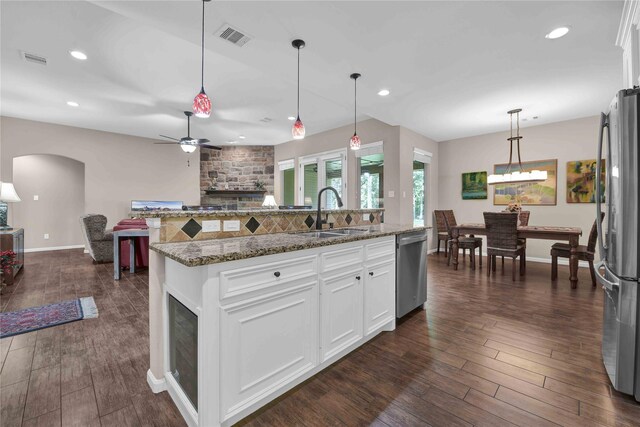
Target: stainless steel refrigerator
point(618, 268)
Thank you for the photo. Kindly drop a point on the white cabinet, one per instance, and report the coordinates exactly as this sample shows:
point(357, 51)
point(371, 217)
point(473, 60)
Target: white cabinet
point(267, 342)
point(341, 310)
point(379, 295)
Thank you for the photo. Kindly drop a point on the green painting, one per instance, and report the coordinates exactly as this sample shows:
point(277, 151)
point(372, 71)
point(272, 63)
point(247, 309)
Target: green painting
point(581, 181)
point(474, 185)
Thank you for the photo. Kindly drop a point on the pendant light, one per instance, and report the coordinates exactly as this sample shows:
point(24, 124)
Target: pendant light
point(298, 131)
point(354, 142)
point(515, 176)
point(202, 103)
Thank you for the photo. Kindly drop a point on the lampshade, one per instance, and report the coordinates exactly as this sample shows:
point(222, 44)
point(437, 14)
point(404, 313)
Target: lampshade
point(202, 105)
point(297, 131)
point(8, 193)
point(269, 201)
point(188, 148)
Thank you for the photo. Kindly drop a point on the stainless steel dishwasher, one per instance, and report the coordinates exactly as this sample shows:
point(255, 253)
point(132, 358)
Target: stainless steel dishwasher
point(411, 271)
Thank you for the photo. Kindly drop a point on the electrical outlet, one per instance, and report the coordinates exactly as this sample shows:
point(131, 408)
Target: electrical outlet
point(210, 226)
point(36, 197)
point(392, 193)
point(46, 236)
point(404, 194)
point(231, 225)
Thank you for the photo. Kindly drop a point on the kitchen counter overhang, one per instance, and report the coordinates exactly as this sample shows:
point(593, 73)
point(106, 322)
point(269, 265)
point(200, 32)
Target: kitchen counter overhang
point(205, 252)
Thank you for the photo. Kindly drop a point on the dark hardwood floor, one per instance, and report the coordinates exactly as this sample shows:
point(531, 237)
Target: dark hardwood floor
point(486, 352)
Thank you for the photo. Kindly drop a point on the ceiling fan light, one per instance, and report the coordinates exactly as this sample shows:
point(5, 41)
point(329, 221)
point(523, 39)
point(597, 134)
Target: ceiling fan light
point(297, 130)
point(202, 105)
point(188, 148)
point(354, 142)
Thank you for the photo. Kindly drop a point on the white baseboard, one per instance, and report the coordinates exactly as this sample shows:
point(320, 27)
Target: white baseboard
point(561, 261)
point(155, 384)
point(56, 248)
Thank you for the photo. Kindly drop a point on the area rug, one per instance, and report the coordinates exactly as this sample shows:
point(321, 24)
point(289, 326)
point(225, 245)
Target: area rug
point(34, 318)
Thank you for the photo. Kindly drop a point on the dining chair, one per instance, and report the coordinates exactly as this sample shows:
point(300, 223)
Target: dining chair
point(464, 242)
point(523, 220)
point(441, 228)
point(502, 240)
point(585, 253)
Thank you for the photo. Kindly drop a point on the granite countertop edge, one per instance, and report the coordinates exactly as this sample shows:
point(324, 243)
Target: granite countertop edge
point(293, 242)
point(241, 212)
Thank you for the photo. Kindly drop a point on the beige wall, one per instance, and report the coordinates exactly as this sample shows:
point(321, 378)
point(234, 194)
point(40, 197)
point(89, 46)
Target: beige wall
point(59, 184)
point(399, 144)
point(369, 130)
point(118, 168)
point(565, 141)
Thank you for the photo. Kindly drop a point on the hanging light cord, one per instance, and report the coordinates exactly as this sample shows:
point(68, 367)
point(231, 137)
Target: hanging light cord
point(202, 52)
point(517, 142)
point(298, 82)
point(355, 106)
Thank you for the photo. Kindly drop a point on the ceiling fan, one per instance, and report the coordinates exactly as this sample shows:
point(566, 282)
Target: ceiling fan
point(187, 143)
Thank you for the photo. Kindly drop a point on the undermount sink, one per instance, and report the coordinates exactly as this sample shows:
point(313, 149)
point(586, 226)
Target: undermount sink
point(320, 234)
point(334, 232)
point(350, 231)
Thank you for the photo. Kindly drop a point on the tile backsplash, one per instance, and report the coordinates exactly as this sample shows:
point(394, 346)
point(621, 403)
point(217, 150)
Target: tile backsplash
point(184, 229)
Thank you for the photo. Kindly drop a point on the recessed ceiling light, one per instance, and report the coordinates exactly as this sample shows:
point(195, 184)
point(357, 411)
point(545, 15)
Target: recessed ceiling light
point(231, 142)
point(557, 33)
point(78, 55)
point(72, 104)
point(384, 92)
point(291, 118)
point(241, 137)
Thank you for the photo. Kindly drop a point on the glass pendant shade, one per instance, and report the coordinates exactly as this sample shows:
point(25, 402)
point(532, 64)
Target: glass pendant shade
point(354, 142)
point(297, 131)
point(188, 148)
point(202, 105)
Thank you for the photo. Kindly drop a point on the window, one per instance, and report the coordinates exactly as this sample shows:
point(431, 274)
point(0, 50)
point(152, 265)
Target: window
point(420, 161)
point(371, 181)
point(371, 171)
point(418, 193)
point(288, 182)
point(323, 170)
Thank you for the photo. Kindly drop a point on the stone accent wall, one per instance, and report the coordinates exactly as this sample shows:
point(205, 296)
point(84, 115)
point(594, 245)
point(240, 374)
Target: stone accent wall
point(240, 167)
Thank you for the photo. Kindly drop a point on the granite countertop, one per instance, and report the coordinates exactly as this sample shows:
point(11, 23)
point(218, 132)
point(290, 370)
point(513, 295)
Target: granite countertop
point(242, 212)
point(203, 252)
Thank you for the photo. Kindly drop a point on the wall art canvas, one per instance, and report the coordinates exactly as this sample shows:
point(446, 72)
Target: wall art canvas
point(529, 193)
point(581, 183)
point(474, 185)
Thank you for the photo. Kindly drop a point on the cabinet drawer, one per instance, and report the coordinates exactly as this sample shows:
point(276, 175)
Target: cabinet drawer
point(264, 277)
point(382, 249)
point(334, 260)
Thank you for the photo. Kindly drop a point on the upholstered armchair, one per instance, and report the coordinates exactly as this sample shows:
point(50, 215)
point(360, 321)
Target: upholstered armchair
point(99, 240)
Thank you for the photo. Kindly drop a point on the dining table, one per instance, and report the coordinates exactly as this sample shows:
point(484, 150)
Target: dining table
point(545, 232)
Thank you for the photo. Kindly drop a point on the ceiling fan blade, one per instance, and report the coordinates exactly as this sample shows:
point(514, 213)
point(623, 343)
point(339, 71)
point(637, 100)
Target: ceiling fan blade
point(202, 141)
point(169, 137)
point(170, 143)
point(210, 146)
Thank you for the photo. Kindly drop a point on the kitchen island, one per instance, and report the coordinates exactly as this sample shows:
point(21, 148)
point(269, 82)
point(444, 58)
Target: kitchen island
point(245, 319)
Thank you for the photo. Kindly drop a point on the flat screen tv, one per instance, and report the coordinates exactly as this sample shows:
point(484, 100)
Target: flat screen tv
point(155, 205)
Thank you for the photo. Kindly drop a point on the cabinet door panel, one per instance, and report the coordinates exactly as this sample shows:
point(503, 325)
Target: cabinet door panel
point(379, 296)
point(268, 342)
point(341, 303)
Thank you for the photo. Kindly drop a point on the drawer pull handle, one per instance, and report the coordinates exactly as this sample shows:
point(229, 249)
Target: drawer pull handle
point(371, 273)
point(277, 274)
point(357, 277)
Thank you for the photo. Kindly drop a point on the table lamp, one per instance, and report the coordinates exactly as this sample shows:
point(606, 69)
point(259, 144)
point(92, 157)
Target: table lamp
point(269, 202)
point(7, 194)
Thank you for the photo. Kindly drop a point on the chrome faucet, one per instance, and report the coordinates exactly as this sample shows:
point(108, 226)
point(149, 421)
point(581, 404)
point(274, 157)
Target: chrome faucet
point(320, 221)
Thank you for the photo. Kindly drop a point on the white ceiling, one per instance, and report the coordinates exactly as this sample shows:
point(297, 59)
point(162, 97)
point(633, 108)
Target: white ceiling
point(453, 68)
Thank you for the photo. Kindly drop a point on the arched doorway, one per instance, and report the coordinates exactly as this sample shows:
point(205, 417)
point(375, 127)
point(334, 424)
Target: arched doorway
point(52, 191)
